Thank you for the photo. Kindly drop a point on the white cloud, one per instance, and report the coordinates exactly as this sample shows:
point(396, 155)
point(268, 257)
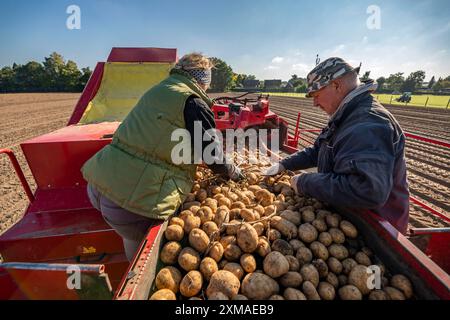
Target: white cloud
point(277, 60)
point(271, 68)
point(302, 68)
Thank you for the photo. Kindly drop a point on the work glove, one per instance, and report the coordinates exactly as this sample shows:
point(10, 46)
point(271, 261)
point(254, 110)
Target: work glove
point(295, 182)
point(234, 173)
point(274, 170)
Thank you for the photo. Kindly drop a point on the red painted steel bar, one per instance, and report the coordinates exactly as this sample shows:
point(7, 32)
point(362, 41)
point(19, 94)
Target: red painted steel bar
point(19, 172)
point(425, 139)
point(428, 208)
point(297, 132)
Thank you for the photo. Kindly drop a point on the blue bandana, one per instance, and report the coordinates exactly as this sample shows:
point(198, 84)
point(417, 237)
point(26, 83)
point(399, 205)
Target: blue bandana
point(202, 76)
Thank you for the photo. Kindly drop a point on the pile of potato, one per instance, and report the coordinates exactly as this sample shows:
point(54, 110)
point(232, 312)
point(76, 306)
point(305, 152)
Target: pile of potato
point(256, 239)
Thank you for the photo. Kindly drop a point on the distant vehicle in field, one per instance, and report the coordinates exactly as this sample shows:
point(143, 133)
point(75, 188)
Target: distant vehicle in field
point(405, 97)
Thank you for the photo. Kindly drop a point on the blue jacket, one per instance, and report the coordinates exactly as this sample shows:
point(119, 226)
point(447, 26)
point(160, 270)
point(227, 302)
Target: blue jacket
point(361, 162)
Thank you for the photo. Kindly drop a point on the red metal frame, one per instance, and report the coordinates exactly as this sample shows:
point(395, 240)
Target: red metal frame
point(425, 139)
point(19, 172)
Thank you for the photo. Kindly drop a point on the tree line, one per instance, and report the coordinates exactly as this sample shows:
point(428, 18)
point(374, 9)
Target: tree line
point(54, 74)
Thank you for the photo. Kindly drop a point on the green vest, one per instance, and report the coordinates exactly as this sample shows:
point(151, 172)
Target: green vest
point(136, 171)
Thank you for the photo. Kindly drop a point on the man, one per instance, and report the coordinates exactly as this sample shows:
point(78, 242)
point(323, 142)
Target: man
point(359, 155)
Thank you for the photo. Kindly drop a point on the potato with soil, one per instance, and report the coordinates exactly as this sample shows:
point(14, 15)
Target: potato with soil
point(338, 251)
point(291, 216)
point(291, 279)
point(294, 265)
point(326, 291)
point(304, 255)
point(394, 293)
point(349, 292)
point(216, 251)
point(334, 265)
point(337, 235)
point(310, 273)
point(208, 267)
point(176, 221)
point(210, 228)
point(263, 248)
point(199, 240)
point(168, 278)
point(191, 284)
point(286, 228)
point(170, 252)
point(235, 268)
point(319, 250)
point(191, 222)
point(259, 286)
point(359, 277)
point(307, 233)
point(163, 294)
point(403, 284)
point(225, 282)
point(275, 264)
point(174, 232)
point(248, 262)
point(293, 294)
point(282, 246)
point(232, 252)
point(247, 238)
point(321, 267)
point(378, 295)
point(348, 229)
point(309, 289)
point(189, 259)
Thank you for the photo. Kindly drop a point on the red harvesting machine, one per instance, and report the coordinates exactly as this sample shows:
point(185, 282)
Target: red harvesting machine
point(61, 235)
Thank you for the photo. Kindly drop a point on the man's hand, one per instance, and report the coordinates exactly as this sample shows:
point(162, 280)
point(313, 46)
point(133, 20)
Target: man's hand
point(295, 181)
point(234, 173)
point(274, 170)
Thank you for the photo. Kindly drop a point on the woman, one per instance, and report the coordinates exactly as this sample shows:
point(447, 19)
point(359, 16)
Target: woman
point(133, 180)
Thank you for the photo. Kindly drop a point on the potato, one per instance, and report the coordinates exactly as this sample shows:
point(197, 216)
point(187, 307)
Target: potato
point(211, 203)
point(207, 268)
point(363, 259)
point(235, 268)
point(217, 295)
point(259, 227)
point(338, 251)
point(319, 250)
point(349, 292)
point(233, 227)
point(282, 246)
point(348, 229)
point(310, 291)
point(216, 251)
point(210, 228)
point(263, 247)
point(260, 209)
point(274, 234)
point(188, 205)
point(333, 220)
point(286, 228)
point(325, 238)
point(199, 240)
point(275, 264)
point(232, 252)
point(296, 244)
point(291, 279)
point(170, 252)
point(235, 214)
point(294, 265)
point(321, 266)
point(215, 190)
point(238, 205)
point(191, 284)
point(264, 197)
point(247, 238)
point(310, 273)
point(176, 221)
point(332, 279)
point(239, 297)
point(168, 278)
point(343, 280)
point(205, 214)
point(326, 291)
point(308, 216)
point(248, 215)
point(190, 197)
point(291, 216)
point(359, 277)
point(321, 214)
point(248, 262)
point(293, 294)
point(189, 259)
point(201, 195)
point(378, 295)
point(268, 210)
point(320, 225)
point(304, 255)
point(223, 201)
point(222, 264)
point(334, 265)
point(163, 294)
point(348, 264)
point(259, 286)
point(403, 284)
point(223, 281)
point(221, 216)
point(174, 233)
point(194, 209)
point(227, 240)
point(307, 233)
point(337, 235)
point(276, 297)
point(394, 294)
point(191, 222)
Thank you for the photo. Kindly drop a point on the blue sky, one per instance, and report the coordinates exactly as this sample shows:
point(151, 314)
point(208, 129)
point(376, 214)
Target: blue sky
point(271, 39)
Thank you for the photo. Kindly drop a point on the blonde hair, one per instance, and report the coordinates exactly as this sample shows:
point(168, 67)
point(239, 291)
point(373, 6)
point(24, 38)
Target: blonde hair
point(194, 60)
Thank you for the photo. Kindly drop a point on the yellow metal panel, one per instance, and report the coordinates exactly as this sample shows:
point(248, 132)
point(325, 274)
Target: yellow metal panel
point(121, 87)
